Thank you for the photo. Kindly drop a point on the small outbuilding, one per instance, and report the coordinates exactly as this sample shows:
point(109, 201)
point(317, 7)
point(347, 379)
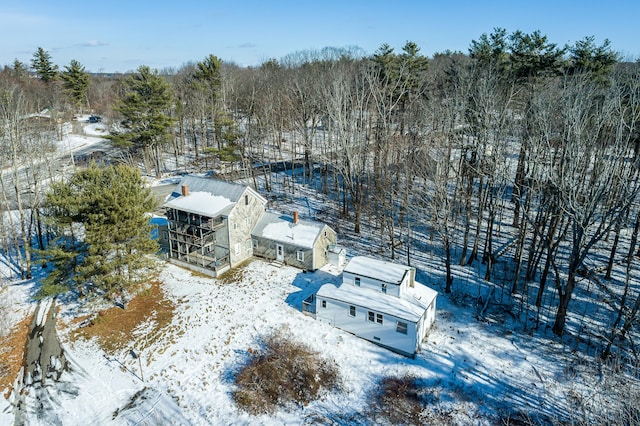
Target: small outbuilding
point(380, 302)
point(160, 231)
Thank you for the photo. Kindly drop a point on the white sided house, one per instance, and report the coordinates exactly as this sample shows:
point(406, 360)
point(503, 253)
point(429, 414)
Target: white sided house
point(380, 302)
point(214, 226)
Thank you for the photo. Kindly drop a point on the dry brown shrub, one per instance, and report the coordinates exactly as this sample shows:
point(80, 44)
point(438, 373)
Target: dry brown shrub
point(284, 372)
point(397, 401)
point(113, 327)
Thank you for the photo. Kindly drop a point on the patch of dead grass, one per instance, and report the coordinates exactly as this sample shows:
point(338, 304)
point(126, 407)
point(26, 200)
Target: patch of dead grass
point(234, 275)
point(12, 349)
point(114, 328)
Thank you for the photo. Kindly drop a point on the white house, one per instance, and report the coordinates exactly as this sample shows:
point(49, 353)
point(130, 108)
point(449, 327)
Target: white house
point(380, 302)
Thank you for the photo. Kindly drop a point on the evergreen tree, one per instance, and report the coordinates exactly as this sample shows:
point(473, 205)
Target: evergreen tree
point(118, 233)
point(42, 65)
point(111, 206)
point(491, 51)
point(207, 81)
point(532, 56)
point(585, 56)
point(19, 70)
point(76, 82)
point(145, 109)
point(63, 212)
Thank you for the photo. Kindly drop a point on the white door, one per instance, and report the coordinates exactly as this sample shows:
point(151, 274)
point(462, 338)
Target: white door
point(279, 253)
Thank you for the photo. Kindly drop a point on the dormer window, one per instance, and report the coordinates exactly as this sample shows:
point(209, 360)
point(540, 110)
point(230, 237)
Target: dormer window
point(384, 288)
point(357, 281)
point(246, 200)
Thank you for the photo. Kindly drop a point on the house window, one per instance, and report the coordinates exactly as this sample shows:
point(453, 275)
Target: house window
point(357, 281)
point(325, 233)
point(247, 221)
point(324, 303)
point(379, 318)
point(247, 245)
point(238, 249)
point(371, 316)
point(300, 256)
point(255, 244)
point(401, 327)
point(352, 311)
point(384, 288)
point(246, 200)
point(235, 225)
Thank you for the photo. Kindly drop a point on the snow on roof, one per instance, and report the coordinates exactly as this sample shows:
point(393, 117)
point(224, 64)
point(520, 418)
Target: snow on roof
point(378, 269)
point(282, 229)
point(209, 197)
point(411, 306)
point(201, 203)
point(229, 190)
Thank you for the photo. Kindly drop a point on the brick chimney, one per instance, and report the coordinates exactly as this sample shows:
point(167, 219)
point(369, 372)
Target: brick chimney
point(295, 217)
point(185, 190)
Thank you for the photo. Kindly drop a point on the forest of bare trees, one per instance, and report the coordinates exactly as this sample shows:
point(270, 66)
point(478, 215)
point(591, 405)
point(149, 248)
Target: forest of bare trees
point(519, 152)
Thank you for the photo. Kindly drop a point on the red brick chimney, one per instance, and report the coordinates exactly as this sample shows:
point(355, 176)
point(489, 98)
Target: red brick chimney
point(185, 190)
point(295, 217)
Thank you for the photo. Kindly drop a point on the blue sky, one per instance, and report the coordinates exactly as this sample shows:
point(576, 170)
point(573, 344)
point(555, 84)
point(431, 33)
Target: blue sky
point(116, 35)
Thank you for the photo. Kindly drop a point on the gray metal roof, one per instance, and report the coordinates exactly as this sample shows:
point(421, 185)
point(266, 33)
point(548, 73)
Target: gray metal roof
point(232, 191)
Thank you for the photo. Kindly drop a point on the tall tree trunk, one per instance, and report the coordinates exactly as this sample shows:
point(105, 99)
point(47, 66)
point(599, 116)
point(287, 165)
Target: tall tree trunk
point(447, 250)
point(482, 197)
point(467, 221)
point(614, 247)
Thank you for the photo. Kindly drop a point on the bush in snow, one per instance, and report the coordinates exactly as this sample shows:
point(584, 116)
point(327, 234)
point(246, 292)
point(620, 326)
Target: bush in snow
point(397, 401)
point(283, 372)
point(405, 401)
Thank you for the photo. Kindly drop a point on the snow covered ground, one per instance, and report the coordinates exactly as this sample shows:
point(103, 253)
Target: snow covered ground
point(476, 370)
point(92, 133)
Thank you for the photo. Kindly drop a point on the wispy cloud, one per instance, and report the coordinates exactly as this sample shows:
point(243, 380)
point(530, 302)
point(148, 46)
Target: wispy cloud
point(93, 43)
point(246, 45)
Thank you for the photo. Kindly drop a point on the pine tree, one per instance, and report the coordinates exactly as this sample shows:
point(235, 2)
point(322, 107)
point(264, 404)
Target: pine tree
point(76, 82)
point(42, 65)
point(587, 57)
point(145, 109)
point(111, 205)
point(118, 232)
point(19, 70)
point(207, 80)
point(63, 210)
point(533, 56)
point(491, 50)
